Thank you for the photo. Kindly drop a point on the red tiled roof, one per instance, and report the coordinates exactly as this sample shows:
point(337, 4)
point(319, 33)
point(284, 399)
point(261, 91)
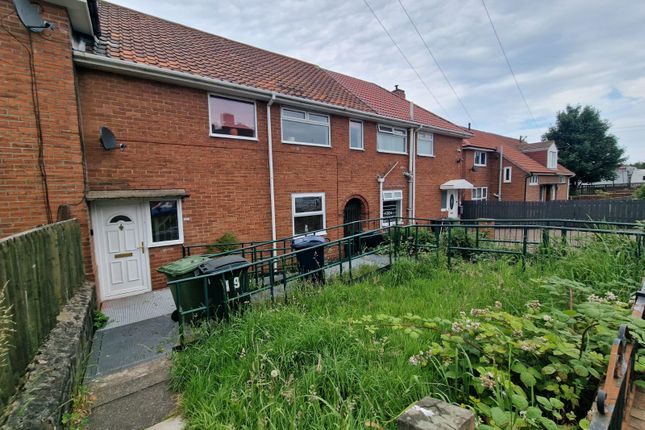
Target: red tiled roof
point(386, 103)
point(133, 36)
point(512, 152)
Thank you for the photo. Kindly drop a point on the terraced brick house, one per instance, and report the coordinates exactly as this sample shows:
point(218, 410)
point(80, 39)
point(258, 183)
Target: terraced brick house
point(154, 134)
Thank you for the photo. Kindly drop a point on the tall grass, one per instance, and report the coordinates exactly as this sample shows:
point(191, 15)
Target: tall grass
point(304, 365)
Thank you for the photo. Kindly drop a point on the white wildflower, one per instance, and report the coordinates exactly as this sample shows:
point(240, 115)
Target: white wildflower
point(275, 373)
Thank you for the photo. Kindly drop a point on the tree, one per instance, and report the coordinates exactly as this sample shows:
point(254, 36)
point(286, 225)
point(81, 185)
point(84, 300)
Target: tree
point(639, 165)
point(585, 145)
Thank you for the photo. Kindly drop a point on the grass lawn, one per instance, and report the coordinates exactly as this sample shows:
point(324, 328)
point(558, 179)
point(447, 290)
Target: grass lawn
point(305, 365)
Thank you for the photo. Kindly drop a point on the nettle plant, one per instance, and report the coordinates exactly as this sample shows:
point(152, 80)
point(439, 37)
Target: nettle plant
point(540, 369)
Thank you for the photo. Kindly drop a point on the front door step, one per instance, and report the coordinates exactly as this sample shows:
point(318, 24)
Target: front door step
point(133, 399)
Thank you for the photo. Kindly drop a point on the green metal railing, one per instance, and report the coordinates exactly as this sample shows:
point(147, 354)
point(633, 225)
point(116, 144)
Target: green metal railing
point(273, 265)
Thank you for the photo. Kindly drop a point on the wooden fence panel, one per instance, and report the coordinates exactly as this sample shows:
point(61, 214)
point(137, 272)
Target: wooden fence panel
point(41, 269)
point(605, 210)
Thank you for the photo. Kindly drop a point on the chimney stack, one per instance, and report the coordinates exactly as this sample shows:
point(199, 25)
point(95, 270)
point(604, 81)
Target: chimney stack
point(398, 92)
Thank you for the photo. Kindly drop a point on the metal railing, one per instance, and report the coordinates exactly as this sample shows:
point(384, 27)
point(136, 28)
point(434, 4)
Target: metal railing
point(612, 401)
point(274, 267)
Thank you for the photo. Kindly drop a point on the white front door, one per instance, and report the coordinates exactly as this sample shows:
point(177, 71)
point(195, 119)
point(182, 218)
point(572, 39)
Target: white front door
point(452, 202)
point(121, 254)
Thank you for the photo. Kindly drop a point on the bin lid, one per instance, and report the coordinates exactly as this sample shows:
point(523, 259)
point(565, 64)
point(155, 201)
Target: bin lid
point(183, 266)
point(307, 242)
point(226, 262)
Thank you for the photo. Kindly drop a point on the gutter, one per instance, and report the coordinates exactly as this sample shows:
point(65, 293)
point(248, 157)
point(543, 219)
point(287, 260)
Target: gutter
point(99, 62)
point(381, 181)
point(271, 174)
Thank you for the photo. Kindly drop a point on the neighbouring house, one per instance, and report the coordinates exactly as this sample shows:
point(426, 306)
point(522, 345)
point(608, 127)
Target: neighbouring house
point(527, 172)
point(154, 134)
point(624, 177)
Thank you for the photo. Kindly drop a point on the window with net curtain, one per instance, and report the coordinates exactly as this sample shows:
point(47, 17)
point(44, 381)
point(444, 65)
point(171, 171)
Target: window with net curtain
point(308, 212)
point(391, 139)
point(425, 144)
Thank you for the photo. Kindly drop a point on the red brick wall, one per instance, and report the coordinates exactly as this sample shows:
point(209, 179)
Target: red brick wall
point(165, 129)
point(21, 186)
point(434, 171)
point(482, 176)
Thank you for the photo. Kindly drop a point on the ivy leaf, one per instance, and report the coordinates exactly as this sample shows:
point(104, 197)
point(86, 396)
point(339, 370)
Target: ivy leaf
point(500, 417)
point(527, 378)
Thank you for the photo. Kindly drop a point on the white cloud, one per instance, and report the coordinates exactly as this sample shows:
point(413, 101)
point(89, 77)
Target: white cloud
point(574, 52)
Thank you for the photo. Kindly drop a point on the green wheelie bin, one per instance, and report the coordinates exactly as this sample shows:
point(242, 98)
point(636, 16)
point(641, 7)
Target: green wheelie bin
point(192, 292)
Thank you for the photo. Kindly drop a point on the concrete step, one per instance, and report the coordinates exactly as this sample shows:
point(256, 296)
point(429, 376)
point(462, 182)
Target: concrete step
point(133, 399)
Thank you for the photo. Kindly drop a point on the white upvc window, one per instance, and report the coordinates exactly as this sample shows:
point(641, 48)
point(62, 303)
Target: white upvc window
point(232, 118)
point(391, 207)
point(508, 174)
point(563, 179)
point(305, 128)
point(534, 180)
point(308, 213)
point(479, 193)
point(444, 200)
point(165, 222)
point(552, 159)
point(356, 134)
point(425, 144)
point(480, 158)
point(392, 140)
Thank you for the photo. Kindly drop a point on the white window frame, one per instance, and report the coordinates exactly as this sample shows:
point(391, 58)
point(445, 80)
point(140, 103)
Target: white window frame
point(508, 169)
point(295, 215)
point(357, 121)
point(392, 196)
point(422, 154)
point(480, 154)
point(405, 137)
point(230, 136)
point(534, 180)
point(483, 191)
point(563, 179)
point(552, 163)
point(148, 220)
point(443, 208)
point(304, 121)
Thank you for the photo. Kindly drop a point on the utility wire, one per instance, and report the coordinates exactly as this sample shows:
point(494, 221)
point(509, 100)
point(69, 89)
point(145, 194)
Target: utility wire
point(508, 63)
point(406, 59)
point(445, 76)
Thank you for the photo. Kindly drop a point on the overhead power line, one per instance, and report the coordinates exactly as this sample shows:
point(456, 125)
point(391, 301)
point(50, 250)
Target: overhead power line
point(405, 57)
point(508, 63)
point(445, 76)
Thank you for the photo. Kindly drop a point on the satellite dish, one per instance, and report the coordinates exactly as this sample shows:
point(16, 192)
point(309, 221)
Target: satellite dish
point(29, 14)
point(108, 141)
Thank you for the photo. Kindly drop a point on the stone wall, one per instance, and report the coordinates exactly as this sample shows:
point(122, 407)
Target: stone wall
point(57, 368)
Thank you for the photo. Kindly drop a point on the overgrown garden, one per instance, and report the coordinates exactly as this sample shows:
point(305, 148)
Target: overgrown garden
point(521, 348)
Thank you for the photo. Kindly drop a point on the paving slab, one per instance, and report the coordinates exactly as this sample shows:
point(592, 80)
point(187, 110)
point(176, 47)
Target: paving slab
point(125, 346)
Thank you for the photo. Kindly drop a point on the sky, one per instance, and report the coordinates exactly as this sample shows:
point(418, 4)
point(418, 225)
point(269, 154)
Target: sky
point(562, 52)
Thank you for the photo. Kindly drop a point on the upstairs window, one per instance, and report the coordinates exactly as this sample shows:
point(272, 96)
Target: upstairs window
point(533, 180)
point(308, 213)
point(425, 144)
point(552, 159)
point(232, 118)
point(480, 158)
point(305, 128)
point(480, 193)
point(392, 204)
point(563, 179)
point(392, 139)
point(508, 174)
point(355, 134)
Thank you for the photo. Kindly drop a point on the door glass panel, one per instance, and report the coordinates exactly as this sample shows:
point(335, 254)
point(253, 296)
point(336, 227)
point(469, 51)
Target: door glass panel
point(120, 218)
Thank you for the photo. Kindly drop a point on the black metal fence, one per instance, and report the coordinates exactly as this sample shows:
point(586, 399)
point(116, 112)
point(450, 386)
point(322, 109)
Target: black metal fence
point(626, 210)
